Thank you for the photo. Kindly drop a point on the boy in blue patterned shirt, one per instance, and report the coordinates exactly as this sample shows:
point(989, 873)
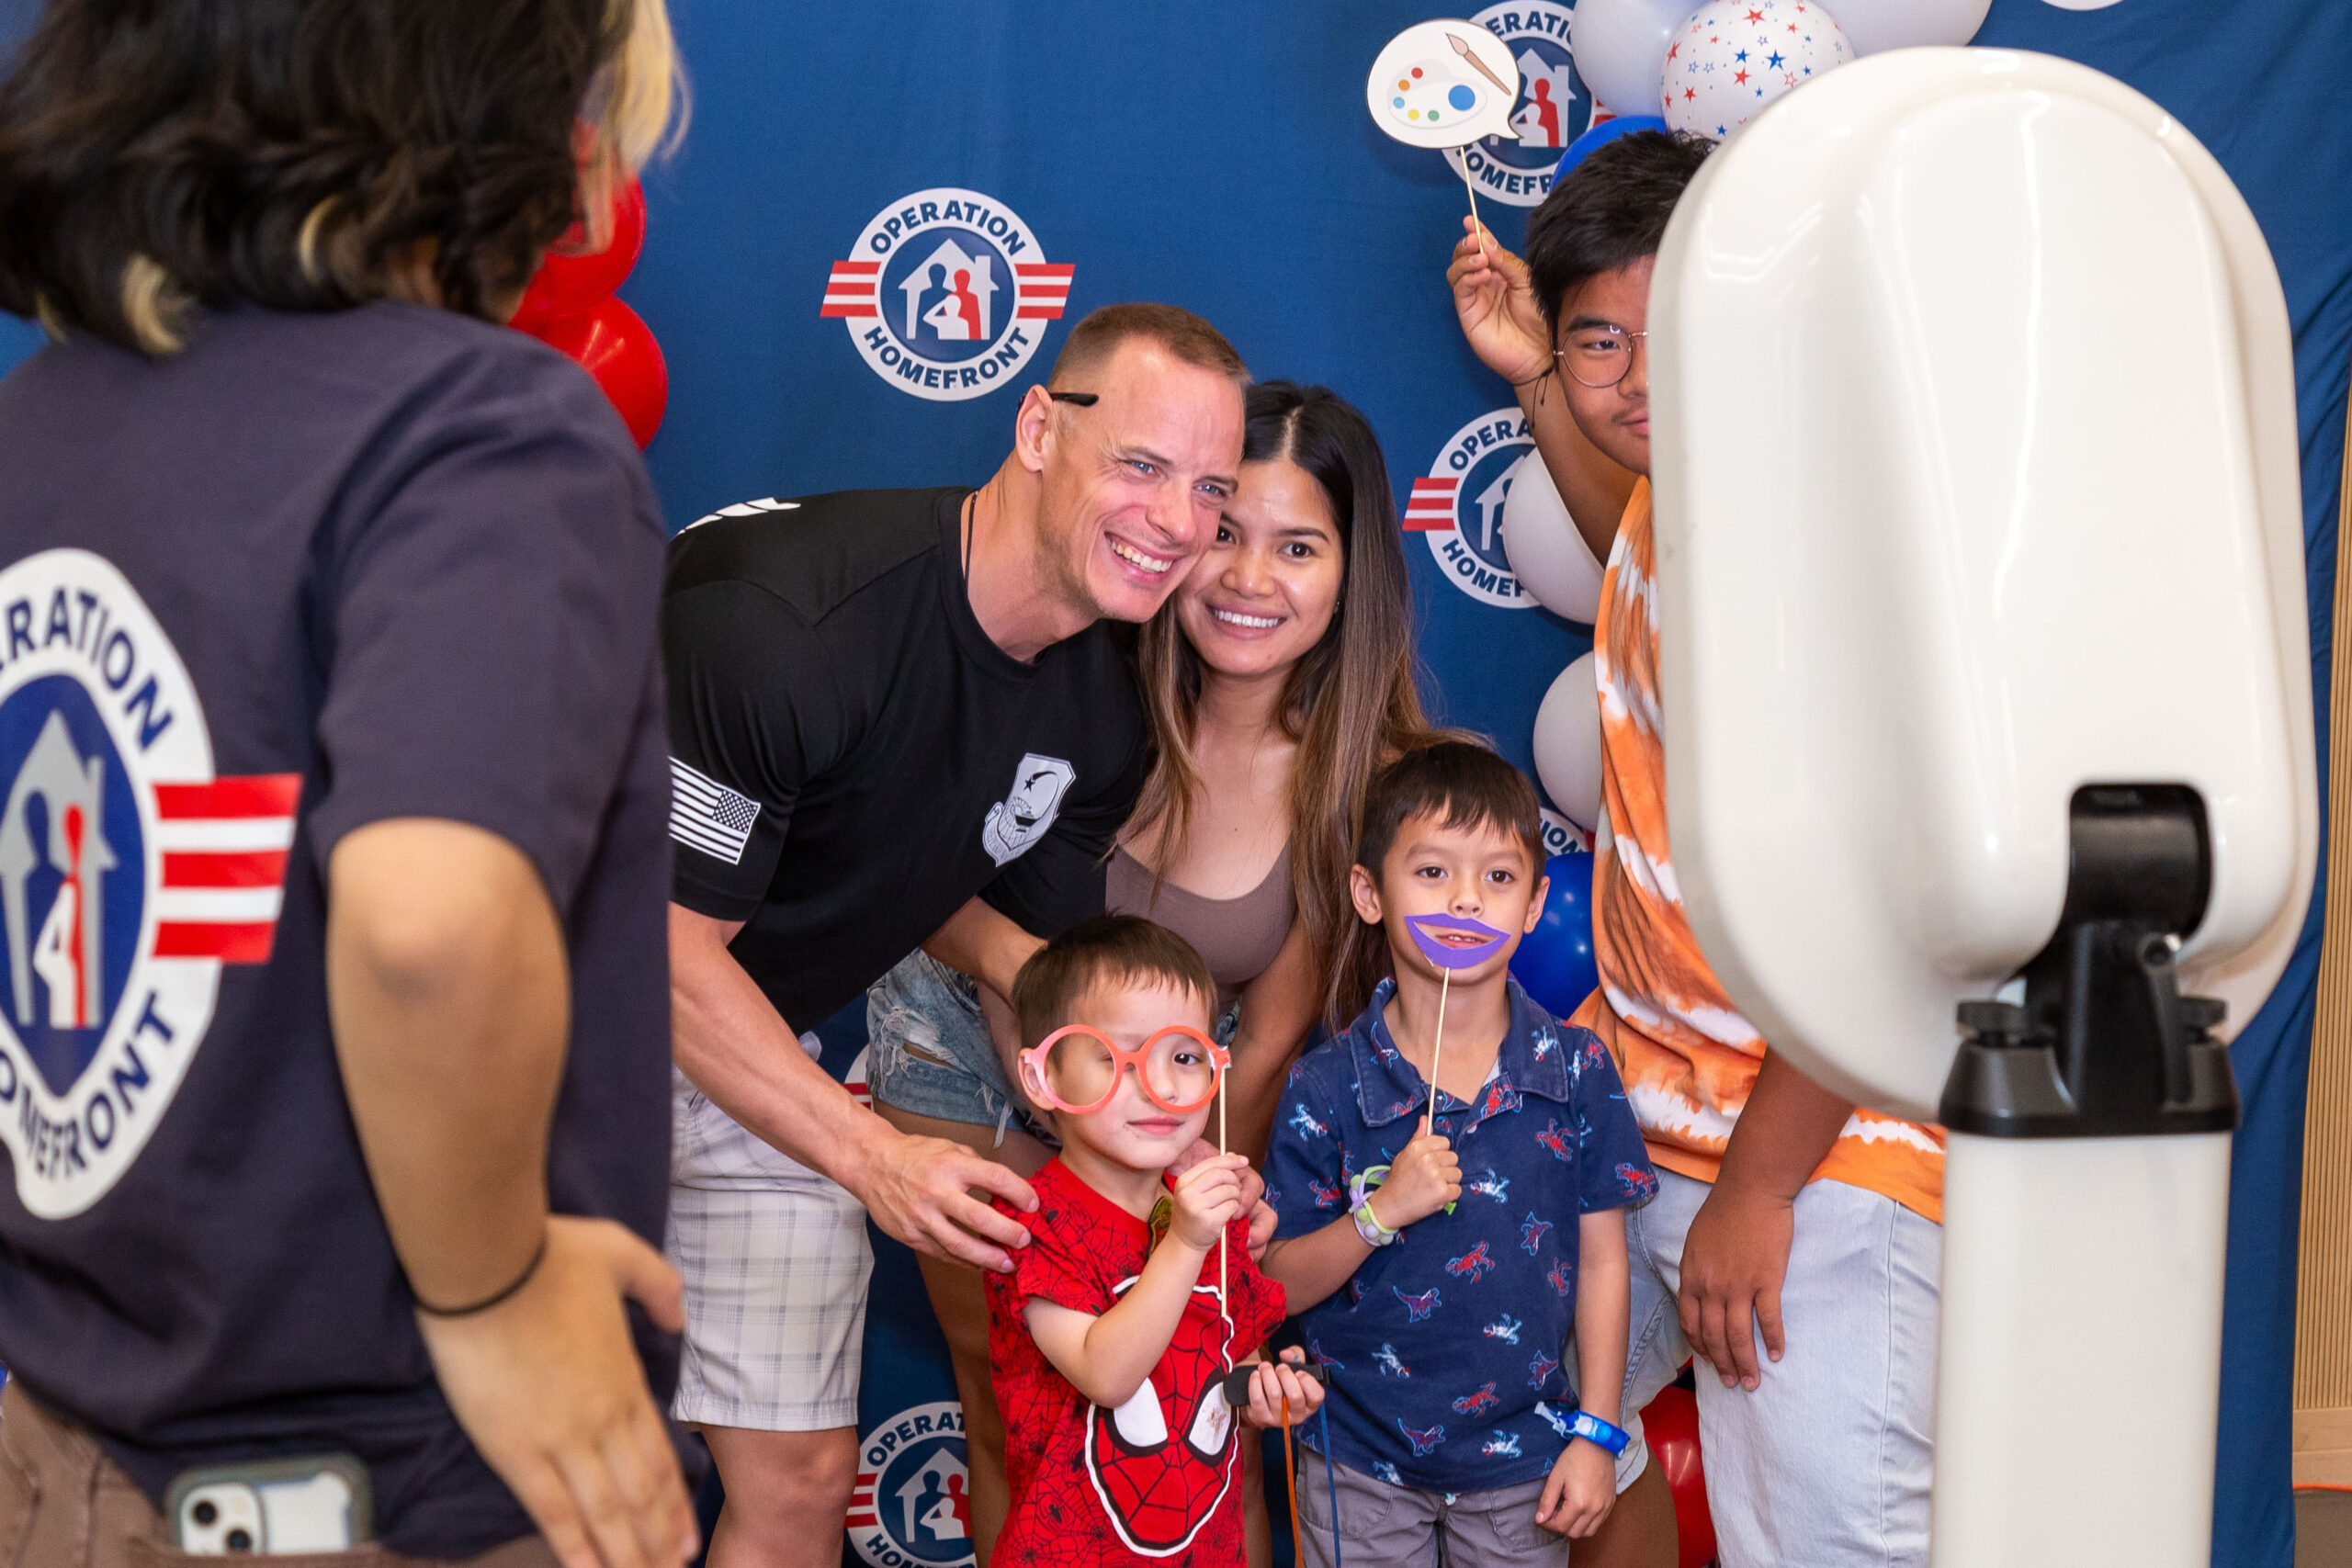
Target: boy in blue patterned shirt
point(1442, 1291)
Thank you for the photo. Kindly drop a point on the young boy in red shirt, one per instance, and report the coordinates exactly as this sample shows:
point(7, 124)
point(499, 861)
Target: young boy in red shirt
point(1114, 1330)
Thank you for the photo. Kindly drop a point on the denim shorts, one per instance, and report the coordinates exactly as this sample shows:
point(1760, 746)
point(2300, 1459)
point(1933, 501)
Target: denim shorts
point(928, 1053)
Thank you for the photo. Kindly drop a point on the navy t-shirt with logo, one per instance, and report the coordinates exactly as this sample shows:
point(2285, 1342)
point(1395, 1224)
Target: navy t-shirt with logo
point(853, 759)
point(313, 573)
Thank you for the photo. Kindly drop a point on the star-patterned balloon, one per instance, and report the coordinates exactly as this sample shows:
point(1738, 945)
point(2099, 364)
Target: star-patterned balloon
point(1732, 57)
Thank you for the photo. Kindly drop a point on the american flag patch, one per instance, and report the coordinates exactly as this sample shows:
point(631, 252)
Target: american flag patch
point(705, 814)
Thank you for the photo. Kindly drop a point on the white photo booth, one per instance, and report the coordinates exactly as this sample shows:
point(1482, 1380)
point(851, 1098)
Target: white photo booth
point(1989, 718)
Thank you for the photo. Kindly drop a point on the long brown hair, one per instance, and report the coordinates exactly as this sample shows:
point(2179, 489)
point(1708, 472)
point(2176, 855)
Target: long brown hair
point(1350, 704)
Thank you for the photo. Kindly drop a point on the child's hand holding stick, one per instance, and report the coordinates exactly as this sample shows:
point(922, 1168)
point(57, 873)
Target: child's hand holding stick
point(1208, 1198)
point(1271, 1382)
point(1421, 1180)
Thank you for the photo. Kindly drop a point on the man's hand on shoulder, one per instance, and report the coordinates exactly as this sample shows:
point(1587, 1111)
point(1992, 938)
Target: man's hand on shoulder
point(919, 1191)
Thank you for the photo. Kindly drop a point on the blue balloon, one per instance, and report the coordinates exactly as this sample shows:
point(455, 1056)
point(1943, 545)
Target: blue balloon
point(1607, 131)
point(1555, 962)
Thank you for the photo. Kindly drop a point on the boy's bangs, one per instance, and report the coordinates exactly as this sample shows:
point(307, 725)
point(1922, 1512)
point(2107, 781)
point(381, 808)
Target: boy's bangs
point(1464, 786)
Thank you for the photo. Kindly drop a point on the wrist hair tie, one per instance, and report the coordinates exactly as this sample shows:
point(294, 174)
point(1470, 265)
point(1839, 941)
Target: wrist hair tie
point(496, 1298)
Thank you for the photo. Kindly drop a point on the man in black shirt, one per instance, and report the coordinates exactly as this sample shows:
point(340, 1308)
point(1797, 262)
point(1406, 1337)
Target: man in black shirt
point(896, 721)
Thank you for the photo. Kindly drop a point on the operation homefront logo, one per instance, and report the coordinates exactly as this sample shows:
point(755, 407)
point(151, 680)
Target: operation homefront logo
point(130, 873)
point(1562, 837)
point(1553, 108)
point(1459, 505)
point(912, 1506)
point(947, 294)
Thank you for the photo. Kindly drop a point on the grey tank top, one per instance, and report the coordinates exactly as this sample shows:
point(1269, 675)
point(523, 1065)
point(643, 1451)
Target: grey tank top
point(1239, 937)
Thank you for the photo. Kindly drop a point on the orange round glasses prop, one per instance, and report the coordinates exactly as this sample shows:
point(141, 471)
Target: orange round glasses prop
point(1037, 1074)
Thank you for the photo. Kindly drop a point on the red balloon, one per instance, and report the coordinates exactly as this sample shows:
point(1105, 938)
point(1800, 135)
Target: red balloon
point(569, 283)
point(1670, 1426)
point(615, 347)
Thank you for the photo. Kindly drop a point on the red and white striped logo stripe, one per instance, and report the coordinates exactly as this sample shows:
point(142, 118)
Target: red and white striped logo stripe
point(1044, 290)
point(850, 290)
point(223, 846)
point(861, 1516)
point(1429, 509)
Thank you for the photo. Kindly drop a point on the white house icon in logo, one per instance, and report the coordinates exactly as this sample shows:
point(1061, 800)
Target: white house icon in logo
point(1490, 505)
point(1545, 94)
point(933, 1500)
point(66, 952)
point(963, 312)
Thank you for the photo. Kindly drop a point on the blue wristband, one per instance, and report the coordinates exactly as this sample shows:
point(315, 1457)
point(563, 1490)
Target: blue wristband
point(1585, 1424)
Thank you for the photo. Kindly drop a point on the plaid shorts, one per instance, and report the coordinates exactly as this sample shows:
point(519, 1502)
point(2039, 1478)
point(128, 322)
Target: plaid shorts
point(775, 1261)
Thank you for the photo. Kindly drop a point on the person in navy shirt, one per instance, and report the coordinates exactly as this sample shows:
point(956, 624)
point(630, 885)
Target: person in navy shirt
point(1441, 1293)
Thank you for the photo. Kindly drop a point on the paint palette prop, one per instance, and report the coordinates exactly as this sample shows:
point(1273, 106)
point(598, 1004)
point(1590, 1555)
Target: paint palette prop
point(1443, 84)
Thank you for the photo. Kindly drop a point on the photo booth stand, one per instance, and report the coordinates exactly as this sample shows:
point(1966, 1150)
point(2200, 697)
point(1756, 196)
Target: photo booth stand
point(1989, 718)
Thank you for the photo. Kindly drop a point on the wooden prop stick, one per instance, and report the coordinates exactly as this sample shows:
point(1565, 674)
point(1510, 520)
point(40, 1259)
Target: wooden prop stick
point(1480, 66)
point(1436, 1051)
point(1477, 225)
point(1290, 1472)
point(1223, 1310)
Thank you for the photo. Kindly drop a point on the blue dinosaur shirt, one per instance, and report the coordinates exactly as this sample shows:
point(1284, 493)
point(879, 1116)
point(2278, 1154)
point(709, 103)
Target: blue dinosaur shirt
point(1445, 1350)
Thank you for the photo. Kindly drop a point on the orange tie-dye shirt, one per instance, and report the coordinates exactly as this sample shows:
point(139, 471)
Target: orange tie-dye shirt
point(1689, 1059)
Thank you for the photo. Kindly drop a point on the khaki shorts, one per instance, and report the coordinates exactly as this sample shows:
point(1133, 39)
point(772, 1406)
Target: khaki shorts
point(65, 1505)
point(1398, 1527)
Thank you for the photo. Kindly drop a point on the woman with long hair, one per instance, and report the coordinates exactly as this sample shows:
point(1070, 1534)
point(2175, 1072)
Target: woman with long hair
point(1278, 678)
point(336, 820)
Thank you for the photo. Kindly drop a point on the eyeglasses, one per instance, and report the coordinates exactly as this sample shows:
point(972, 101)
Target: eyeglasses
point(1077, 399)
point(1077, 1069)
point(1599, 357)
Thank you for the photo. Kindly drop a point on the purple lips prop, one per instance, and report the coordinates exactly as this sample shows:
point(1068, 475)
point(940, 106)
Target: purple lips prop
point(1446, 957)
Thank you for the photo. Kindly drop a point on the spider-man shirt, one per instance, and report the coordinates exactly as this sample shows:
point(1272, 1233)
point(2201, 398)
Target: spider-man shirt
point(1445, 1350)
point(1158, 1480)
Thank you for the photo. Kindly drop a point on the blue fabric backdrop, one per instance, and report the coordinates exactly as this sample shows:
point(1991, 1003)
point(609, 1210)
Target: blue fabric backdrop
point(1220, 157)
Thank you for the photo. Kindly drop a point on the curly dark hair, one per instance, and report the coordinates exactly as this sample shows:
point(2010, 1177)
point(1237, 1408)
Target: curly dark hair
point(309, 154)
point(1609, 211)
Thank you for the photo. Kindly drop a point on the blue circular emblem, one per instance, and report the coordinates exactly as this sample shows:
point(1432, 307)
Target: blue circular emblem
point(1552, 109)
point(73, 875)
point(1458, 505)
point(912, 1504)
point(947, 293)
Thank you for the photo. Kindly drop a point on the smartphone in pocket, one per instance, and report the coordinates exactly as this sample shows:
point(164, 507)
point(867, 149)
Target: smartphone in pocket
point(319, 1504)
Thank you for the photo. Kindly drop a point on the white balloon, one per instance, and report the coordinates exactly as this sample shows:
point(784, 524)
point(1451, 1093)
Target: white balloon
point(1732, 58)
point(1620, 48)
point(1547, 554)
point(1567, 744)
point(1873, 26)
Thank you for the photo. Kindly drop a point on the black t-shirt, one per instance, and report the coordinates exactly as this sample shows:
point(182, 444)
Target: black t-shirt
point(314, 573)
point(853, 759)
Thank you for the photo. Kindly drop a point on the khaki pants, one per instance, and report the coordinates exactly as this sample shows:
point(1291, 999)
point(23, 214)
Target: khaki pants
point(65, 1505)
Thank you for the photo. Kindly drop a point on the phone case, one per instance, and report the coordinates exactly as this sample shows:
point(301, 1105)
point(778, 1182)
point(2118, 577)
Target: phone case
point(318, 1502)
